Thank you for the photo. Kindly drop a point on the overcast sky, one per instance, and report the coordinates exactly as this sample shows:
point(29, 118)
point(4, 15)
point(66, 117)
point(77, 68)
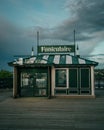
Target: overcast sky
point(54, 19)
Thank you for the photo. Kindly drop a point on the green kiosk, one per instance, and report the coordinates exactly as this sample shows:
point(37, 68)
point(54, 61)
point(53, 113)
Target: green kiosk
point(53, 72)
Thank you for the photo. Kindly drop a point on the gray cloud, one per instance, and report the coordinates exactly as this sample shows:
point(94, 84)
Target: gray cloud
point(88, 21)
point(13, 41)
point(87, 18)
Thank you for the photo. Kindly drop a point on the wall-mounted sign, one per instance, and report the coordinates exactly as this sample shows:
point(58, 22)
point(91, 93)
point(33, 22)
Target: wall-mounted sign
point(56, 49)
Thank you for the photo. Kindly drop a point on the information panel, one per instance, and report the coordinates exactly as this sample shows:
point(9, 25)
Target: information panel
point(56, 49)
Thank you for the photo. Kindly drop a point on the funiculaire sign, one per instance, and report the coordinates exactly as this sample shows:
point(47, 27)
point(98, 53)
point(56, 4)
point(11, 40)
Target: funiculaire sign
point(56, 49)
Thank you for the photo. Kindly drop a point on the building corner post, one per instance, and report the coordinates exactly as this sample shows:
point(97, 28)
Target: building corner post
point(49, 83)
point(92, 82)
point(15, 82)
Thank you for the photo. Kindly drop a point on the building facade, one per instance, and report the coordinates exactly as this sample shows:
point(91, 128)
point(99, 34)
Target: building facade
point(53, 75)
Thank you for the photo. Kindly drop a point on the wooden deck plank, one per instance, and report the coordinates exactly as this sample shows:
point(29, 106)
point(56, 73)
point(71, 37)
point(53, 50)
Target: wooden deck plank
point(51, 114)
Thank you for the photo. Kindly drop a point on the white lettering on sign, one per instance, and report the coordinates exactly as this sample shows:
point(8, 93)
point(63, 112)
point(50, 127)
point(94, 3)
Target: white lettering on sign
point(58, 49)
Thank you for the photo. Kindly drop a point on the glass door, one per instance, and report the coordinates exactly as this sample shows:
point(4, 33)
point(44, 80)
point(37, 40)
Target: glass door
point(34, 82)
point(85, 83)
point(27, 78)
point(73, 81)
point(40, 84)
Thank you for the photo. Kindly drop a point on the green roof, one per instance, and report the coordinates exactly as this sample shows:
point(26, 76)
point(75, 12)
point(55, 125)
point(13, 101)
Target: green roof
point(54, 59)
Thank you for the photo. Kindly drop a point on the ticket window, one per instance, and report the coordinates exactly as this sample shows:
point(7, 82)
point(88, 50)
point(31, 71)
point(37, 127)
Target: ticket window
point(61, 81)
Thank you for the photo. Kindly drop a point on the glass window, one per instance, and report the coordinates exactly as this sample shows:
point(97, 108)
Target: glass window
point(41, 80)
point(61, 78)
point(25, 79)
point(34, 82)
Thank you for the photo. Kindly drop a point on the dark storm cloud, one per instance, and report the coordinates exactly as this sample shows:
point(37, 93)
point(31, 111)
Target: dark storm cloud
point(90, 13)
point(13, 41)
point(87, 18)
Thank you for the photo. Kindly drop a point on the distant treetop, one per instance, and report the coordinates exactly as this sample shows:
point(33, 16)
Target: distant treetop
point(5, 74)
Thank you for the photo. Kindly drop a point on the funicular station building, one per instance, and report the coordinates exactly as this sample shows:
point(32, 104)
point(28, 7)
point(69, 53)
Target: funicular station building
point(53, 74)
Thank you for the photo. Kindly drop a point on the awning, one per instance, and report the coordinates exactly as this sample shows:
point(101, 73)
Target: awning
point(55, 59)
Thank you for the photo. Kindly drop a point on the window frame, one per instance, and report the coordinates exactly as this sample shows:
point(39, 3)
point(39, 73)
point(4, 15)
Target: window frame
point(67, 78)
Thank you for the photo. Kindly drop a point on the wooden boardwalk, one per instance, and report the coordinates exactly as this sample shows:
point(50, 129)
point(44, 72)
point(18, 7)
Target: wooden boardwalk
point(51, 114)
